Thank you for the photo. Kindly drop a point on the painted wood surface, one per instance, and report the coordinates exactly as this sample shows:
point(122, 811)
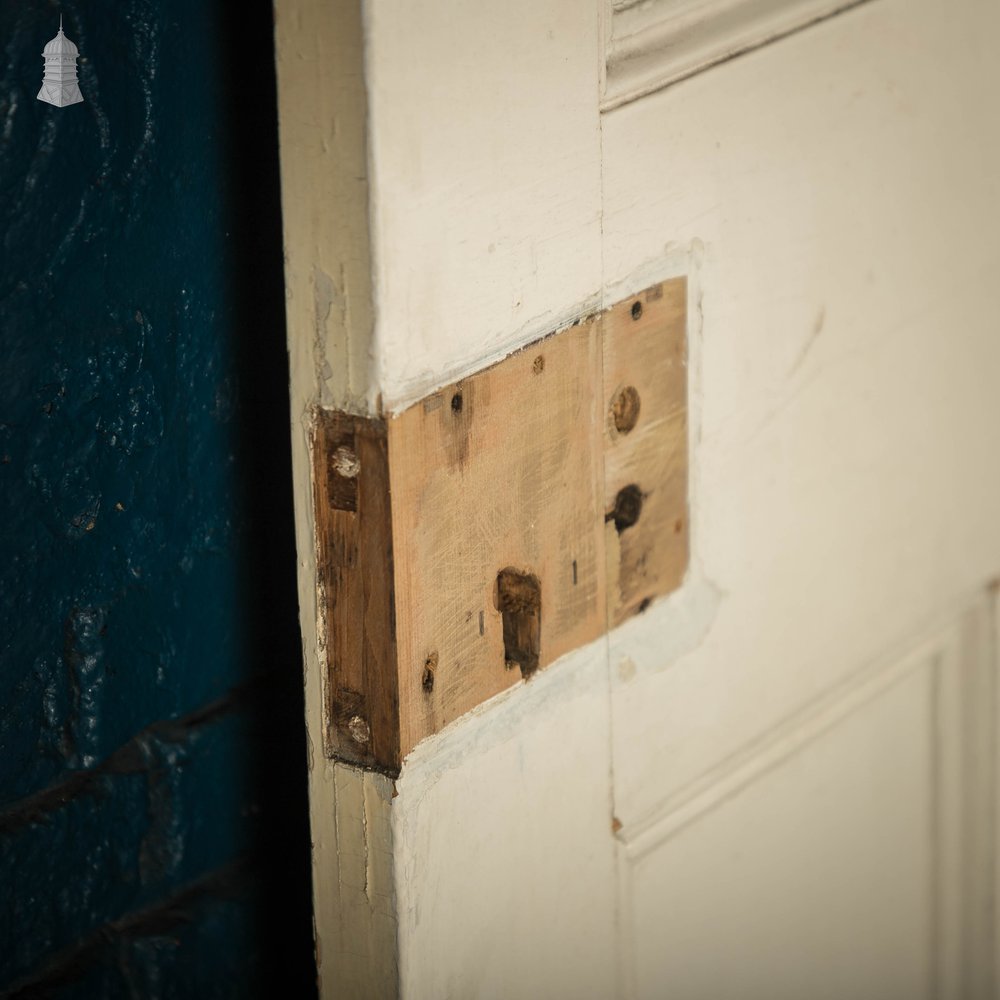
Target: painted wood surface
point(322, 111)
point(534, 910)
point(653, 43)
point(485, 167)
point(823, 396)
point(886, 780)
point(829, 199)
point(840, 498)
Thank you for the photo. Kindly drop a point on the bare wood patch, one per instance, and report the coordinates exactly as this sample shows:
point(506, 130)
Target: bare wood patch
point(646, 457)
point(533, 506)
point(504, 472)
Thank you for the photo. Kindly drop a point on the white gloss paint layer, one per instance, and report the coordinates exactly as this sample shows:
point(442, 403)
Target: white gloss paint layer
point(833, 199)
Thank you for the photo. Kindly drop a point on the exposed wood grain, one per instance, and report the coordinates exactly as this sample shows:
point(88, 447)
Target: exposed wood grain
point(354, 573)
point(532, 504)
point(646, 455)
point(500, 471)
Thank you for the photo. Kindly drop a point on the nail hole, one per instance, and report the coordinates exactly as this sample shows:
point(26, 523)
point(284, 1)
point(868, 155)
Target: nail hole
point(628, 506)
point(636, 309)
point(644, 603)
point(456, 403)
point(625, 409)
point(427, 680)
point(539, 365)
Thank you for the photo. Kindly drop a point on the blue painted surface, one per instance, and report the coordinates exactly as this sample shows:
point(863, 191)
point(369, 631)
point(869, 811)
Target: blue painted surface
point(146, 551)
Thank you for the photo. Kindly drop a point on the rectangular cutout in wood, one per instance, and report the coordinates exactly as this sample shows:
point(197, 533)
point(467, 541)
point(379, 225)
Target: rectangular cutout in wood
point(501, 522)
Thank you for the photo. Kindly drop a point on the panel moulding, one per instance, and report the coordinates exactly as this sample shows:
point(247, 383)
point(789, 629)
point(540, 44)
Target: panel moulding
point(653, 43)
point(499, 523)
point(958, 661)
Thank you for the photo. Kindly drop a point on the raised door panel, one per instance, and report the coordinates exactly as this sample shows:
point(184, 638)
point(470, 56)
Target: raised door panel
point(847, 853)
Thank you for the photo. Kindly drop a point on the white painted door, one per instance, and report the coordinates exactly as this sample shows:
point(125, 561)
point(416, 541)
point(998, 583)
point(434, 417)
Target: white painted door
point(778, 782)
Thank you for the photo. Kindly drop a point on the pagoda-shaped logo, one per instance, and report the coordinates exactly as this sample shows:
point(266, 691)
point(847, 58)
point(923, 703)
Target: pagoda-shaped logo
point(59, 86)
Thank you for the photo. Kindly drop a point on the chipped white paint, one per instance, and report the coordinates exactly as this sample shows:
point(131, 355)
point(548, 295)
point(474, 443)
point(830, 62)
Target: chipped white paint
point(833, 199)
point(321, 111)
point(325, 200)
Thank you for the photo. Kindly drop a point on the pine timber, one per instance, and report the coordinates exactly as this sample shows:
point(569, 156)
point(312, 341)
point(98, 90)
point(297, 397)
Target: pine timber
point(499, 523)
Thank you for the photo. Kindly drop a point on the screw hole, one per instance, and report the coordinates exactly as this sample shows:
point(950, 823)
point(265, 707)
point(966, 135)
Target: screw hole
point(636, 309)
point(628, 507)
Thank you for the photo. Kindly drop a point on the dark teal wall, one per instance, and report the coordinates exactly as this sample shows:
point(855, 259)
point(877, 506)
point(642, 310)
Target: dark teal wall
point(153, 832)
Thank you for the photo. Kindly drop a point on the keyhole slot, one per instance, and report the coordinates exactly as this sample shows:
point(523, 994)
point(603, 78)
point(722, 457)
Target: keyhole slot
point(519, 601)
